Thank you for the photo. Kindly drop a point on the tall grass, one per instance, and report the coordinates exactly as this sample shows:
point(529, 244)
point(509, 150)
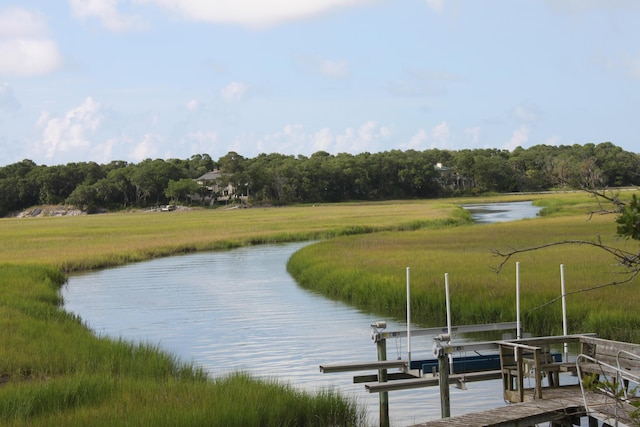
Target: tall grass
point(368, 272)
point(235, 400)
point(54, 371)
point(96, 241)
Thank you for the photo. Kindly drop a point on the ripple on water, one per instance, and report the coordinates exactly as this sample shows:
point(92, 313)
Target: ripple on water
point(240, 310)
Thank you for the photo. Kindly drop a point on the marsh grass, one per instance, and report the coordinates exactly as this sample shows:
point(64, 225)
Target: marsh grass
point(54, 371)
point(236, 400)
point(96, 241)
point(368, 271)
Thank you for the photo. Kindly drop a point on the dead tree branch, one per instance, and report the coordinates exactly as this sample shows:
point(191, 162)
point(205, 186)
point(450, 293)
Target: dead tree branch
point(625, 258)
point(629, 278)
point(600, 195)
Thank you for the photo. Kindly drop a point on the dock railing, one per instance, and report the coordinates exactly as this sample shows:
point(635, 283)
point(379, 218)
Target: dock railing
point(612, 370)
point(533, 358)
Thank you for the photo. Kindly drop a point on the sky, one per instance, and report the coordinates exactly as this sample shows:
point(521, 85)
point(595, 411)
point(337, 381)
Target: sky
point(104, 80)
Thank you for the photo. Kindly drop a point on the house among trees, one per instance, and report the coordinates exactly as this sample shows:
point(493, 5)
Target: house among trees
point(214, 190)
point(449, 178)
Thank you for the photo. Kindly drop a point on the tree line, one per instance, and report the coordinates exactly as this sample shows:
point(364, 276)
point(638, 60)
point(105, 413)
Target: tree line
point(322, 177)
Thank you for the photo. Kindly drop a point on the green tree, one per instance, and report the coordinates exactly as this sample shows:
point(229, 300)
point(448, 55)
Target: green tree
point(150, 178)
point(181, 189)
point(199, 164)
point(83, 197)
point(629, 219)
point(116, 190)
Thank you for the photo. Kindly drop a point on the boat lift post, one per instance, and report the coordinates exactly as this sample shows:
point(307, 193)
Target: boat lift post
point(409, 314)
point(564, 312)
point(519, 325)
point(448, 305)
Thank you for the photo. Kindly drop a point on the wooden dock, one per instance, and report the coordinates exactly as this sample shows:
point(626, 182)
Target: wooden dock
point(618, 366)
point(608, 373)
point(563, 406)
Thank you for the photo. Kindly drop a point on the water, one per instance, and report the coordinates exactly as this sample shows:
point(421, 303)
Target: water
point(502, 212)
point(240, 310)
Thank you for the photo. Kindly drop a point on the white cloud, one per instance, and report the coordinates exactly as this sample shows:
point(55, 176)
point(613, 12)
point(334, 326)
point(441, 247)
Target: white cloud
point(25, 48)
point(71, 132)
point(293, 138)
point(91, 131)
point(200, 141)
point(193, 105)
point(8, 101)
point(367, 138)
point(202, 137)
point(322, 140)
point(251, 13)
point(519, 138)
point(147, 148)
point(103, 153)
point(235, 92)
point(20, 22)
point(106, 11)
point(417, 141)
point(441, 134)
point(290, 138)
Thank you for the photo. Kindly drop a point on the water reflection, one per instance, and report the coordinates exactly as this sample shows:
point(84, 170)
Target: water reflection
point(501, 212)
point(240, 310)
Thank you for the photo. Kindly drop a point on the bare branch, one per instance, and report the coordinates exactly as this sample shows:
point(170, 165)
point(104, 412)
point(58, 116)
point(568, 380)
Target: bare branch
point(630, 278)
point(625, 258)
point(628, 260)
point(599, 195)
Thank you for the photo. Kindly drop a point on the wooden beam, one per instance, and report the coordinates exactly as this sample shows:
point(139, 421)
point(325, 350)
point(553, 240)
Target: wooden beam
point(431, 381)
point(363, 366)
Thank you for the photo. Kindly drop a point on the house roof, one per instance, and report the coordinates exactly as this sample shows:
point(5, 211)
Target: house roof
point(210, 176)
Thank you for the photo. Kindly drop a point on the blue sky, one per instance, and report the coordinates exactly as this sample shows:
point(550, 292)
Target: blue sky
point(103, 80)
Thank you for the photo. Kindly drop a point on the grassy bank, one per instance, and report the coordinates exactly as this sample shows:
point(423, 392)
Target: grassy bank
point(368, 272)
point(95, 241)
point(54, 371)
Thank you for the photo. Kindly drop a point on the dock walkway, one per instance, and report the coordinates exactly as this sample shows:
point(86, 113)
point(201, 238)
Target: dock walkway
point(558, 405)
point(608, 373)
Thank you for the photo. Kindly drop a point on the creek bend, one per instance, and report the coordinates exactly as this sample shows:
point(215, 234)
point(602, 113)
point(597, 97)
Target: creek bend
point(240, 310)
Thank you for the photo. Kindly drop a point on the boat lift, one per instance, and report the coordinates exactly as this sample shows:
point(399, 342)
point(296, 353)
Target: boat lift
point(447, 369)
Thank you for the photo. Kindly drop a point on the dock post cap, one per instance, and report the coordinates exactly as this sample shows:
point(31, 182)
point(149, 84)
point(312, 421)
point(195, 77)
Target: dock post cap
point(438, 349)
point(376, 327)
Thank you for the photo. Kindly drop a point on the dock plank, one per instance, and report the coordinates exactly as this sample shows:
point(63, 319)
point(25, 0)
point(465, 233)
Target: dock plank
point(557, 404)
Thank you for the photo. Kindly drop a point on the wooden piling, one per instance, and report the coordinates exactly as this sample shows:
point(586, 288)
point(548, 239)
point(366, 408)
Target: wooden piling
point(445, 401)
point(382, 378)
